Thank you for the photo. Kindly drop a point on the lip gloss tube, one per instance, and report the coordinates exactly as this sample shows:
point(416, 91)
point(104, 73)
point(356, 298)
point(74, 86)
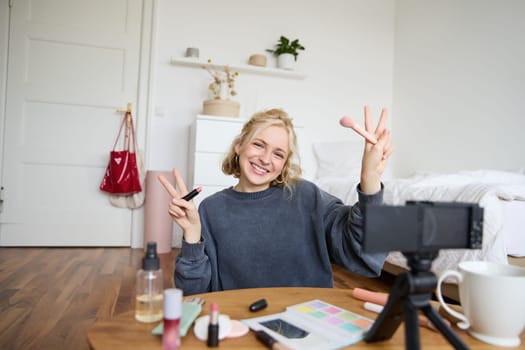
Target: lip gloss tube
point(213, 326)
point(172, 313)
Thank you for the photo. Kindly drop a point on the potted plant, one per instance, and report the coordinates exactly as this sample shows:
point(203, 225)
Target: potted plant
point(286, 52)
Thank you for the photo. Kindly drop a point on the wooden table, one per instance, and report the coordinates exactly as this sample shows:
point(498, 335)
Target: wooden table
point(123, 332)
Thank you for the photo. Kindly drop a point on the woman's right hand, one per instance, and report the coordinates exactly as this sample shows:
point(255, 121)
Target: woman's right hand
point(183, 212)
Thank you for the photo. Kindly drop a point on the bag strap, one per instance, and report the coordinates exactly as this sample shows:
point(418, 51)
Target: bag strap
point(132, 133)
point(120, 130)
point(128, 122)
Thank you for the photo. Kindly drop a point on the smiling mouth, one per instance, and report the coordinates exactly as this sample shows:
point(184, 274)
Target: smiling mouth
point(259, 170)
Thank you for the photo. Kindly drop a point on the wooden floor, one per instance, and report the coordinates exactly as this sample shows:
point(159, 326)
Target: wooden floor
point(48, 296)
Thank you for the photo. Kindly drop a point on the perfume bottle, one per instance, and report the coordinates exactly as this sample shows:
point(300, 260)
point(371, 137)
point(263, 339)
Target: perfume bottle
point(149, 298)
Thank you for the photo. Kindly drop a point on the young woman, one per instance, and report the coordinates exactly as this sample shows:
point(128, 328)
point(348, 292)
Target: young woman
point(273, 228)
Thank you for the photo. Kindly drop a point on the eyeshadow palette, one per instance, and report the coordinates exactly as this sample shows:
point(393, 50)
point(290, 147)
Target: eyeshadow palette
point(331, 315)
point(314, 325)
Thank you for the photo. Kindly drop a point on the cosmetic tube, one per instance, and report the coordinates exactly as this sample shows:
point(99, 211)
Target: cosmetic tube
point(270, 342)
point(192, 194)
point(213, 326)
point(172, 314)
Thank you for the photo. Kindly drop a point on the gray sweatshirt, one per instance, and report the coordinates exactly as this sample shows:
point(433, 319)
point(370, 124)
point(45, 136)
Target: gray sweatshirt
point(275, 238)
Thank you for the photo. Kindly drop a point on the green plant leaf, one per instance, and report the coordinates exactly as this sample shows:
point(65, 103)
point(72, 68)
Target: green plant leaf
point(285, 46)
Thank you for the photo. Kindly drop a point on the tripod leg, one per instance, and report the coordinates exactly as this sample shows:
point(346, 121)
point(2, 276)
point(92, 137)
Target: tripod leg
point(390, 318)
point(448, 333)
point(386, 323)
point(411, 326)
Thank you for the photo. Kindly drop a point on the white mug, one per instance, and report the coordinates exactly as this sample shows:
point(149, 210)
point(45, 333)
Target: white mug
point(493, 300)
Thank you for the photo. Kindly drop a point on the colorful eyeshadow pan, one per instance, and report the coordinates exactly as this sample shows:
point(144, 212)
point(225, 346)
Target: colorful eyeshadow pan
point(334, 316)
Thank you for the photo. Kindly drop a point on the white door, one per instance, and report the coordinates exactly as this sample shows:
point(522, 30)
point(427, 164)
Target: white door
point(71, 64)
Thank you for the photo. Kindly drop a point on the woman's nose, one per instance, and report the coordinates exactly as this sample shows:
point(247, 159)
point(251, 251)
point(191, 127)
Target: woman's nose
point(265, 157)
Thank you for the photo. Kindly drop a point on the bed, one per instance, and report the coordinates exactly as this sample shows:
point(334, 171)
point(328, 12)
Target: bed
point(500, 193)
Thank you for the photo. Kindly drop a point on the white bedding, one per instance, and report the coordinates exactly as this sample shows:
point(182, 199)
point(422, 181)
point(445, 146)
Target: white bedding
point(495, 191)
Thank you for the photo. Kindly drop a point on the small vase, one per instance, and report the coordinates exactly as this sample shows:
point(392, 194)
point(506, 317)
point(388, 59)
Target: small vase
point(219, 91)
point(286, 61)
point(224, 91)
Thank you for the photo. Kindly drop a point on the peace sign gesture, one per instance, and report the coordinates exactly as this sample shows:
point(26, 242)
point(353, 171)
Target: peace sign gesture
point(183, 212)
point(378, 148)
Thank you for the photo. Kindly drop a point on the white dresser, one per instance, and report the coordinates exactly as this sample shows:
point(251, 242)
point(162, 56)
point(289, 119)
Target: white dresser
point(211, 138)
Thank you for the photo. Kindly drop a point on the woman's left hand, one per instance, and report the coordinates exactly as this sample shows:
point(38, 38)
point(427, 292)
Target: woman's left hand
point(378, 148)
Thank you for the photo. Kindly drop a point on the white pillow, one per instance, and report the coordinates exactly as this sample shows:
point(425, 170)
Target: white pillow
point(339, 159)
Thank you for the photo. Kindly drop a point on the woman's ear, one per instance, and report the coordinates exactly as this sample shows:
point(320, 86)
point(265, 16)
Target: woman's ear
point(237, 148)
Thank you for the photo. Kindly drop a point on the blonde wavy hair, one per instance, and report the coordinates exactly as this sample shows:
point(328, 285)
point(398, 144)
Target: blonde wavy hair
point(258, 122)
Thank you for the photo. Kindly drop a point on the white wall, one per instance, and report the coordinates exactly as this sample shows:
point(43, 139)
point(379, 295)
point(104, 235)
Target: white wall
point(4, 30)
point(348, 63)
point(459, 85)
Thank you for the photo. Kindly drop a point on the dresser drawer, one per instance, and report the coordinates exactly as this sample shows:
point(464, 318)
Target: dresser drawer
point(216, 135)
point(207, 170)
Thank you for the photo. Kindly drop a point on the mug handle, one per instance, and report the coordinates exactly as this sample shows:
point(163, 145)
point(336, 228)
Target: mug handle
point(464, 324)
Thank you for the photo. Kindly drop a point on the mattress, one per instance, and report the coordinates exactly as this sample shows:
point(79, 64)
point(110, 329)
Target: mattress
point(513, 229)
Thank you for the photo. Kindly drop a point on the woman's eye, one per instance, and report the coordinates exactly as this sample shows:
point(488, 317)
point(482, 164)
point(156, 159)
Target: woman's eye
point(279, 155)
point(258, 144)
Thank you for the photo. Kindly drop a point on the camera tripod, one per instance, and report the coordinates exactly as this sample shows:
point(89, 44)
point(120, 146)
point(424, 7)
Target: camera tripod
point(411, 292)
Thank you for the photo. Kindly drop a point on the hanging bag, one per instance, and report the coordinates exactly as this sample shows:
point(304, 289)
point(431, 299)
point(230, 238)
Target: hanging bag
point(122, 175)
point(135, 200)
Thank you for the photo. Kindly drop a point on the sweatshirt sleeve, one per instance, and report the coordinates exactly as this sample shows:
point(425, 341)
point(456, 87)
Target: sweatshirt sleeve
point(346, 232)
point(192, 269)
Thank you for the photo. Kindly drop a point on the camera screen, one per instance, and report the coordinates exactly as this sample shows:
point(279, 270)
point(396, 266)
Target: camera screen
point(422, 227)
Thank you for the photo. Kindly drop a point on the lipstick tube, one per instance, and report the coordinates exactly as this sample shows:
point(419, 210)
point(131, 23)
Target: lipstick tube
point(192, 194)
point(213, 326)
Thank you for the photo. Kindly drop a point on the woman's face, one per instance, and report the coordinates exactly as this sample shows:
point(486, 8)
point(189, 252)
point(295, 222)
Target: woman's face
point(262, 159)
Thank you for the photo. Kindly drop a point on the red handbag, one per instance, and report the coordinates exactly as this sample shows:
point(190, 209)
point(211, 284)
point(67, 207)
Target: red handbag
point(122, 175)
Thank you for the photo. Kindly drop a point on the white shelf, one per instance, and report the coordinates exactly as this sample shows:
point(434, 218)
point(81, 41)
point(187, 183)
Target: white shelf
point(241, 68)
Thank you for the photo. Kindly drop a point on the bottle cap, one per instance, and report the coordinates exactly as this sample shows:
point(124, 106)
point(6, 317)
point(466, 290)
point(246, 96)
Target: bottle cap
point(151, 261)
point(172, 303)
